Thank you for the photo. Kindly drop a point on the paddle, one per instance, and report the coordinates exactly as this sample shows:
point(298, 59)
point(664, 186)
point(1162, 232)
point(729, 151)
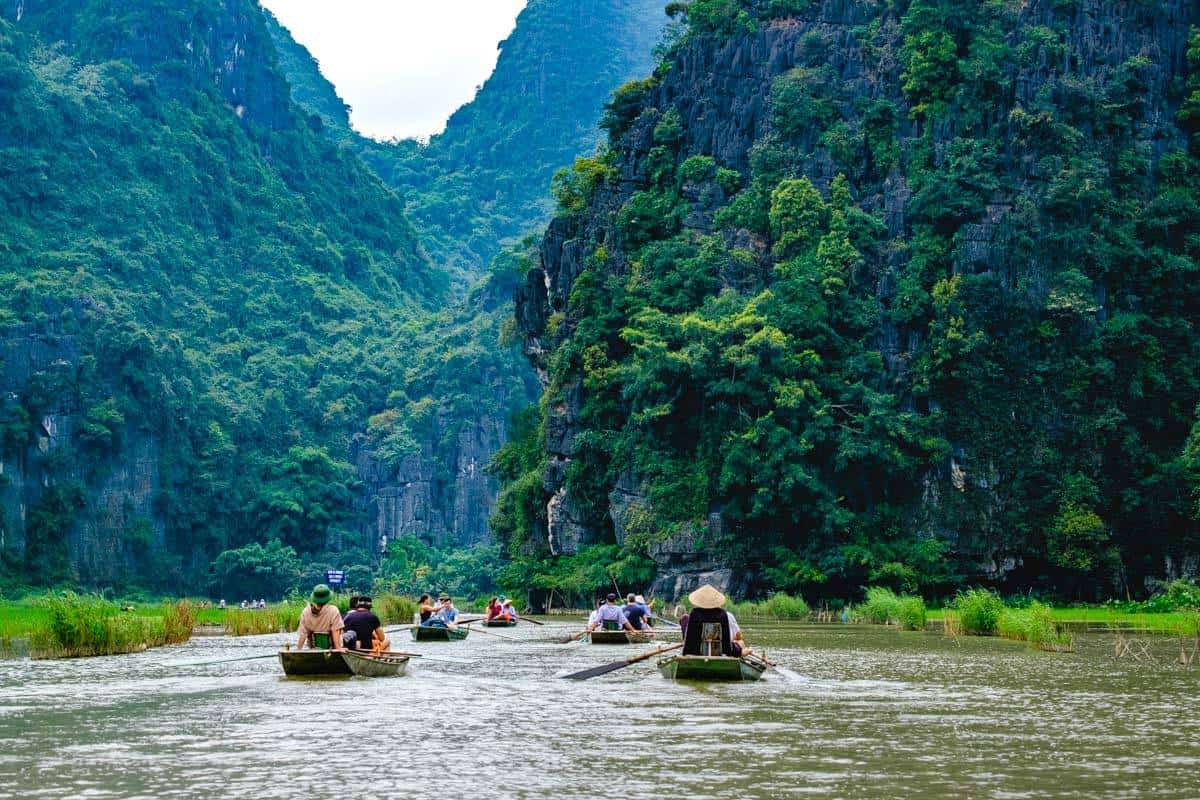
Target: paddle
point(224, 661)
point(573, 637)
point(616, 665)
point(486, 632)
point(530, 621)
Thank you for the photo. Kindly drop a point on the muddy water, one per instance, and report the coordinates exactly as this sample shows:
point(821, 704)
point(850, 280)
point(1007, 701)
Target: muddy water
point(865, 712)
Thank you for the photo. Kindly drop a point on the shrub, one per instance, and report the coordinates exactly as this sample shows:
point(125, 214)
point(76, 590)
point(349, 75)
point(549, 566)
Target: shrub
point(1035, 625)
point(697, 168)
point(979, 611)
point(1178, 596)
point(911, 613)
point(881, 606)
point(785, 606)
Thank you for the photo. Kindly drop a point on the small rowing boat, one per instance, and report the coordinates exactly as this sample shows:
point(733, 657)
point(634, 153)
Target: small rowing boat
point(617, 637)
point(383, 665)
point(712, 668)
point(500, 623)
point(426, 633)
point(301, 663)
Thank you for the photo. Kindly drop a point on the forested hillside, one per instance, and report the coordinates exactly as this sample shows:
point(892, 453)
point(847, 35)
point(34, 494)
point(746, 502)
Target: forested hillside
point(200, 300)
point(890, 292)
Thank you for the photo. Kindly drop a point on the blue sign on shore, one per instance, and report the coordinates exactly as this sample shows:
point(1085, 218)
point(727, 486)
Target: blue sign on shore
point(335, 577)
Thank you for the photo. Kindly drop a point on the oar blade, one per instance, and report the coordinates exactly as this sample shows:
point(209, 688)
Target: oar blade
point(594, 672)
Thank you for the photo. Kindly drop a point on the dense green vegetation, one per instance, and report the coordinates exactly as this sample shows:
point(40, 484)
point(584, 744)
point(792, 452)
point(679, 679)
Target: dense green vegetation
point(234, 287)
point(1005, 368)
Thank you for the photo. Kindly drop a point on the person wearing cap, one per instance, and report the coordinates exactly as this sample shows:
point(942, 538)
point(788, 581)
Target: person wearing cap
point(507, 609)
point(610, 617)
point(641, 601)
point(321, 625)
point(710, 626)
point(363, 627)
point(636, 614)
point(446, 616)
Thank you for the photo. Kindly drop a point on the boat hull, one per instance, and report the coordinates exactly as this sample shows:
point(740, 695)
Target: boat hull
point(427, 634)
point(381, 666)
point(500, 623)
point(617, 637)
point(302, 663)
point(711, 668)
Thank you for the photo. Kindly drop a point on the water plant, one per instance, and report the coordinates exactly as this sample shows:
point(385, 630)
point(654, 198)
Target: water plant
point(884, 607)
point(778, 606)
point(1035, 625)
point(979, 611)
point(88, 625)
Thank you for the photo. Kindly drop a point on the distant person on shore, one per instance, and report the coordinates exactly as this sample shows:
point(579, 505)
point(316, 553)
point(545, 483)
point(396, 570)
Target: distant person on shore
point(709, 629)
point(425, 609)
point(446, 616)
point(222, 606)
point(610, 617)
point(363, 628)
point(321, 625)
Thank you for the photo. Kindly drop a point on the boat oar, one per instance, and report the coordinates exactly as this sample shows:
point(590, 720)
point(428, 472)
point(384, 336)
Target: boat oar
point(616, 665)
point(530, 621)
point(486, 632)
point(224, 661)
point(433, 658)
point(573, 637)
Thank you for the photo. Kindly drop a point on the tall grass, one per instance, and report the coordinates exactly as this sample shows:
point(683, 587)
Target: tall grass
point(884, 607)
point(978, 611)
point(1035, 625)
point(87, 625)
point(285, 617)
point(779, 606)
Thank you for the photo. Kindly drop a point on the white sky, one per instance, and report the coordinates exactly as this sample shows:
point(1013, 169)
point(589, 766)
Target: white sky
point(404, 66)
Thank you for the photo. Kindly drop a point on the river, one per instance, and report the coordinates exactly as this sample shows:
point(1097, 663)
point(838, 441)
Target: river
point(861, 713)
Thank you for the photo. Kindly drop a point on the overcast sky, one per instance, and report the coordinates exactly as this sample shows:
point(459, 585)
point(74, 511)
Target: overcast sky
point(403, 65)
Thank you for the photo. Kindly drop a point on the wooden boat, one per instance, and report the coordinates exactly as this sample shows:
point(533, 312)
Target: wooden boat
point(384, 665)
point(617, 637)
point(313, 662)
point(499, 623)
point(711, 668)
point(424, 633)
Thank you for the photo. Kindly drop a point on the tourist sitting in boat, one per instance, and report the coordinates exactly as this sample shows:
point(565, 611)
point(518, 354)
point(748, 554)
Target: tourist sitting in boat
point(321, 625)
point(641, 601)
point(363, 627)
point(710, 630)
point(425, 608)
point(494, 609)
point(635, 612)
point(507, 610)
point(610, 617)
point(445, 617)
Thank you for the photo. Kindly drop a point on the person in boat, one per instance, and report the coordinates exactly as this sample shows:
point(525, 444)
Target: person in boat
point(635, 612)
point(494, 609)
point(446, 616)
point(641, 601)
point(709, 629)
point(610, 617)
point(425, 608)
point(507, 610)
point(363, 628)
point(321, 625)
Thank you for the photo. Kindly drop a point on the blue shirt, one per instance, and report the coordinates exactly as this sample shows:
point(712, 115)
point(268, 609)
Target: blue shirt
point(446, 615)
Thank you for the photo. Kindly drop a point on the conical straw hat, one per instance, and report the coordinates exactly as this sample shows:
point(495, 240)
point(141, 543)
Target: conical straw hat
point(707, 597)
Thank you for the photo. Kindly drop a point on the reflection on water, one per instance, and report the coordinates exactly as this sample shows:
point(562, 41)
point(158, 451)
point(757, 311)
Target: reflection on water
point(863, 713)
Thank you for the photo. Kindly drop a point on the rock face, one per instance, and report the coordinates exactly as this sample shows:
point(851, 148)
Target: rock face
point(720, 88)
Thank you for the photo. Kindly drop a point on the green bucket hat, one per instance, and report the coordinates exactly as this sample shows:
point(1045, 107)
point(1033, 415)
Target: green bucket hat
point(321, 594)
point(443, 596)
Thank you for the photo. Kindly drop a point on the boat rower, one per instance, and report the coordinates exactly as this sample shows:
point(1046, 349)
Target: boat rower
point(321, 625)
point(635, 613)
point(507, 609)
point(710, 630)
point(610, 617)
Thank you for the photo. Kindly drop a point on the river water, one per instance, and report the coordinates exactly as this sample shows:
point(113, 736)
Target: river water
point(860, 713)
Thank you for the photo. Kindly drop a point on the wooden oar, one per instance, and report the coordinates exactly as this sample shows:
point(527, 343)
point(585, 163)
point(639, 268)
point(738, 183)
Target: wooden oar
point(616, 665)
point(486, 632)
point(530, 621)
point(224, 661)
point(573, 637)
